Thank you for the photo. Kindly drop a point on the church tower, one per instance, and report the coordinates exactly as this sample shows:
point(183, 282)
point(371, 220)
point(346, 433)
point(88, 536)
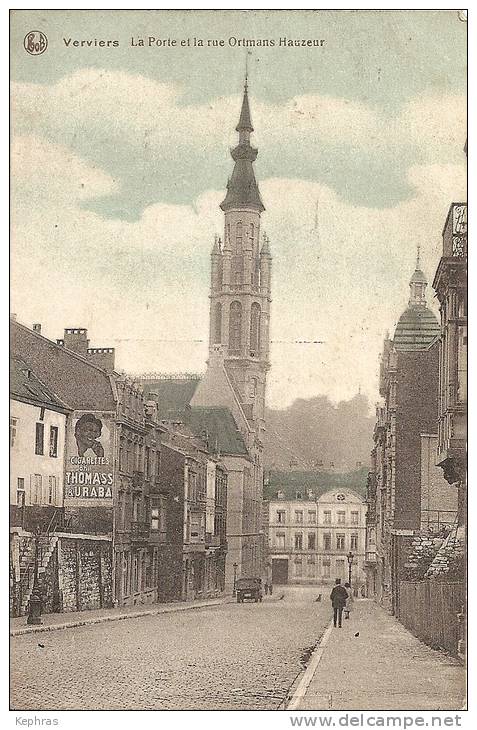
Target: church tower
point(240, 282)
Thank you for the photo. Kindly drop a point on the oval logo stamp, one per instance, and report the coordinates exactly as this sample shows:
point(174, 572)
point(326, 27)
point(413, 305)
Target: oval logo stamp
point(35, 42)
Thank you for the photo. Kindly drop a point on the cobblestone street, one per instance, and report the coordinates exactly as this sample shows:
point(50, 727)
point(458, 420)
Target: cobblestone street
point(229, 657)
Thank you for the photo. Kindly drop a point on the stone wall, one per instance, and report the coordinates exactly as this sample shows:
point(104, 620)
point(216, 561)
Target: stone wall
point(77, 576)
point(423, 551)
point(449, 560)
point(435, 556)
point(85, 573)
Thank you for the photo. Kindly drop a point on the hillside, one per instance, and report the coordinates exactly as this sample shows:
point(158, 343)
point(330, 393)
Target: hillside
point(316, 435)
point(293, 482)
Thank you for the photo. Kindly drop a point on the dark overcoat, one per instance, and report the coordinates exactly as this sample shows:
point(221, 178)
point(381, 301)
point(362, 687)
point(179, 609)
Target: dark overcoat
point(338, 596)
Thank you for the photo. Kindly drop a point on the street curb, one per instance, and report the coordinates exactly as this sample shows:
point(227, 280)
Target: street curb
point(118, 617)
point(309, 673)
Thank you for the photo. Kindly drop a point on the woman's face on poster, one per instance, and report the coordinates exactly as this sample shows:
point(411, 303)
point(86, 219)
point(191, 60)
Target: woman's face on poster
point(89, 433)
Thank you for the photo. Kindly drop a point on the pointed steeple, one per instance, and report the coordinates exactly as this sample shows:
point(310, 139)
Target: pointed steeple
point(265, 250)
point(245, 121)
point(242, 188)
point(216, 249)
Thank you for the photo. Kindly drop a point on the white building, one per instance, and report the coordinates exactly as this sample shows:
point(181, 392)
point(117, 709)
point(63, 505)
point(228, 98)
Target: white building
point(37, 448)
point(310, 538)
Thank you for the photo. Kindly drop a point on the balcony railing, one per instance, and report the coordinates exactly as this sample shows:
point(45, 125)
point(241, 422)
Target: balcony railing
point(140, 530)
point(212, 540)
point(138, 479)
point(370, 556)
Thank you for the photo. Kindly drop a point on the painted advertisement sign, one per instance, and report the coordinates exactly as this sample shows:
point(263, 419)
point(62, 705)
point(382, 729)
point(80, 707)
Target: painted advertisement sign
point(89, 458)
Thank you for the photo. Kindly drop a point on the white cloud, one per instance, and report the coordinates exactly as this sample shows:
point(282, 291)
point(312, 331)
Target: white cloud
point(139, 285)
point(43, 169)
point(138, 111)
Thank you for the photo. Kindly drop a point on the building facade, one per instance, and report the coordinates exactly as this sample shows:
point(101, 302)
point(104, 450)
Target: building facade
point(69, 523)
point(450, 285)
point(37, 447)
point(310, 539)
point(405, 492)
point(140, 508)
point(194, 488)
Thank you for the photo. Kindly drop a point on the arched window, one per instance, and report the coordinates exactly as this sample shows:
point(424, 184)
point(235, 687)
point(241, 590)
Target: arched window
point(252, 232)
point(218, 324)
point(235, 327)
point(238, 237)
point(255, 329)
point(237, 270)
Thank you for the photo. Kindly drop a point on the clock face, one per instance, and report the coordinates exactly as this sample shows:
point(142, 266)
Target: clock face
point(340, 497)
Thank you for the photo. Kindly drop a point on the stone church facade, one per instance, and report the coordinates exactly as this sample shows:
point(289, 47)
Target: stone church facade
point(239, 349)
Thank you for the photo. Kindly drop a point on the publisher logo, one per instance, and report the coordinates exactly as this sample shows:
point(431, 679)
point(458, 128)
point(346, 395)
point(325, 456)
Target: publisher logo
point(35, 42)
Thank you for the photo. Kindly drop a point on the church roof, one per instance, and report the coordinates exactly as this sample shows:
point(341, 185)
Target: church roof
point(242, 188)
point(219, 424)
point(416, 329)
point(173, 395)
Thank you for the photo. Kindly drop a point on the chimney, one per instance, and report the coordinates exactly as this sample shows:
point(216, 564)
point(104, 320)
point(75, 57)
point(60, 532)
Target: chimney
point(76, 339)
point(103, 357)
point(37, 328)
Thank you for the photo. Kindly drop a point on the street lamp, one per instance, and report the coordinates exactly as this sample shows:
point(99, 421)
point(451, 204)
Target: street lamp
point(34, 604)
point(235, 566)
point(350, 557)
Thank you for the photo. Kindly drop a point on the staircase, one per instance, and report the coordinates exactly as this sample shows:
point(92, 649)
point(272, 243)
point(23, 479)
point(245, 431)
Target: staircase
point(46, 546)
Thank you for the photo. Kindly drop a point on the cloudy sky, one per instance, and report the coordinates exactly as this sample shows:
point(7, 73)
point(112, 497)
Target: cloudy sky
point(120, 157)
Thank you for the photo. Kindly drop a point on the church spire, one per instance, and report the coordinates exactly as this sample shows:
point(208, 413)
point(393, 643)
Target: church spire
point(242, 188)
point(245, 121)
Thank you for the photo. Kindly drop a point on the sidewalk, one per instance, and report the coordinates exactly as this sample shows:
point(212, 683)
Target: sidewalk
point(384, 668)
point(56, 621)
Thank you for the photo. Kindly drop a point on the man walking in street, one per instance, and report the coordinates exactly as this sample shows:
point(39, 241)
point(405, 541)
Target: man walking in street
point(338, 598)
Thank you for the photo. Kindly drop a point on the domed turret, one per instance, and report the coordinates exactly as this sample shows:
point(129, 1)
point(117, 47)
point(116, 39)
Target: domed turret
point(418, 327)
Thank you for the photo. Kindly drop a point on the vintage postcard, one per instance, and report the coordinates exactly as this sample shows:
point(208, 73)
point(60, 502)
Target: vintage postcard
point(238, 385)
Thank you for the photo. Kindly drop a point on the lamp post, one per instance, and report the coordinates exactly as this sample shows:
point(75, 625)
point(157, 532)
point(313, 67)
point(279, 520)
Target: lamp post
point(350, 557)
point(34, 604)
point(235, 566)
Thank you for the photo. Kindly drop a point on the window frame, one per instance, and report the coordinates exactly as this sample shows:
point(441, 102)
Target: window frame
point(54, 442)
point(13, 432)
point(298, 541)
point(39, 438)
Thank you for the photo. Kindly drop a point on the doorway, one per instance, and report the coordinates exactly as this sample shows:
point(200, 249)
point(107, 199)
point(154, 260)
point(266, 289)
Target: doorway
point(279, 571)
